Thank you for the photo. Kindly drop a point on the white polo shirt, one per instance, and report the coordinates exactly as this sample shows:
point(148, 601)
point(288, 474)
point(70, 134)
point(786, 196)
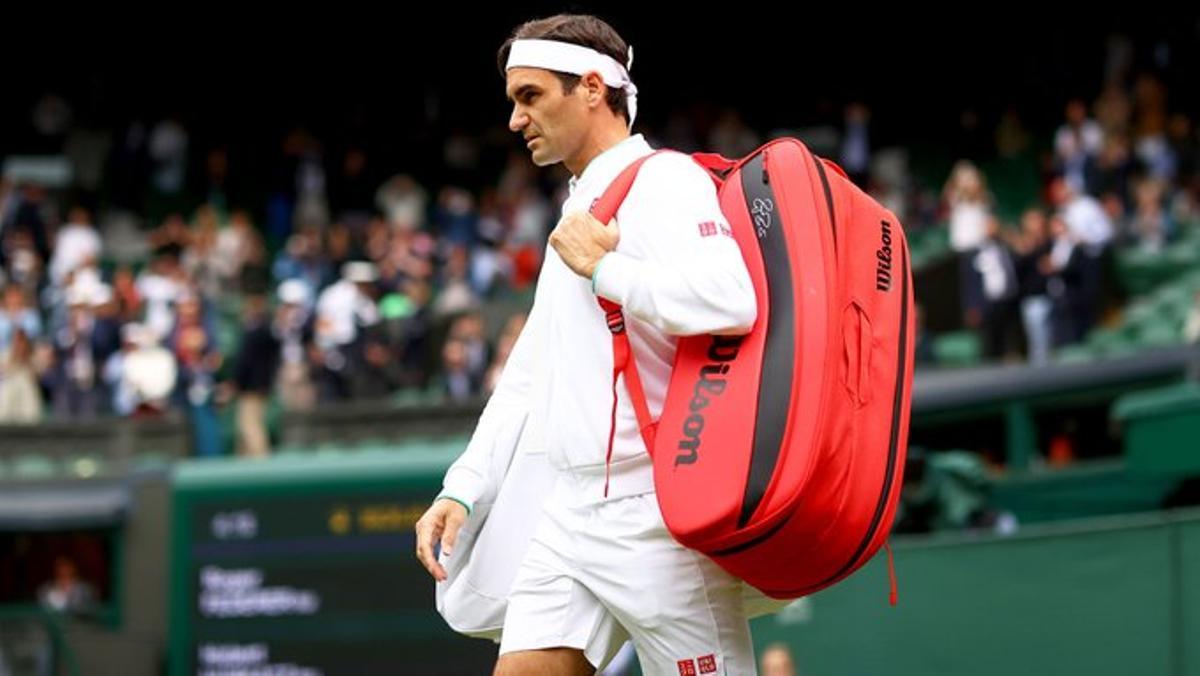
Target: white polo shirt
point(676, 270)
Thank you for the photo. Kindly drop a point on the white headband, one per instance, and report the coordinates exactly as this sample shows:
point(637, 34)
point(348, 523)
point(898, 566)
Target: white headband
point(565, 57)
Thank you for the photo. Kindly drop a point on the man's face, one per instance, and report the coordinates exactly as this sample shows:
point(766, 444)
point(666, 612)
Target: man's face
point(552, 123)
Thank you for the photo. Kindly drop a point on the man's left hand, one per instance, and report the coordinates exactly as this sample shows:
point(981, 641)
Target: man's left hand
point(581, 241)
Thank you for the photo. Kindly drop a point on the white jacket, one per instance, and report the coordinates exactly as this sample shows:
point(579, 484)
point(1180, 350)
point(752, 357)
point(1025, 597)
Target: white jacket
point(676, 271)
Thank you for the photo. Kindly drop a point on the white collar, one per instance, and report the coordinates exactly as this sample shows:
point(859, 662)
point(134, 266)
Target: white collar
point(612, 161)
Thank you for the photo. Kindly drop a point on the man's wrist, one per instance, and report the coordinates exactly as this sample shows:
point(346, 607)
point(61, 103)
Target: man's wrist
point(443, 496)
point(596, 270)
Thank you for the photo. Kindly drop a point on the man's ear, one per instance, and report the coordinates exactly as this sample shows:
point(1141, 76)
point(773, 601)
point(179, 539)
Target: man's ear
point(595, 88)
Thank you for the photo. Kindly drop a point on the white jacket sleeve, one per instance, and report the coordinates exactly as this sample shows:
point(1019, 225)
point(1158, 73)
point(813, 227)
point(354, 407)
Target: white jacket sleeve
point(471, 479)
point(677, 266)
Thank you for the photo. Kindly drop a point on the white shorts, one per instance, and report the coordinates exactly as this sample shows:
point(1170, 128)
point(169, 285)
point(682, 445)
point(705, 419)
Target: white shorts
point(596, 575)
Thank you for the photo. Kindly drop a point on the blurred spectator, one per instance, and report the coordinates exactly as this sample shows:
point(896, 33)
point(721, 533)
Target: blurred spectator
point(142, 374)
point(159, 286)
point(456, 371)
point(76, 244)
point(969, 204)
point(106, 337)
point(1077, 145)
point(1151, 226)
point(402, 201)
point(376, 238)
point(1150, 143)
point(532, 218)
point(343, 310)
point(20, 395)
point(201, 258)
point(374, 371)
point(24, 267)
point(504, 344)
point(465, 357)
point(490, 265)
point(241, 256)
point(856, 144)
point(409, 327)
point(455, 295)
point(293, 331)
point(1118, 215)
point(340, 246)
point(172, 233)
point(67, 592)
point(471, 331)
point(997, 285)
point(75, 376)
point(1092, 231)
point(123, 399)
point(1033, 249)
point(455, 219)
point(167, 148)
point(126, 294)
point(312, 205)
point(302, 260)
point(777, 660)
point(25, 228)
point(1063, 269)
point(193, 342)
point(15, 314)
point(254, 377)
point(488, 268)
point(255, 276)
point(1115, 168)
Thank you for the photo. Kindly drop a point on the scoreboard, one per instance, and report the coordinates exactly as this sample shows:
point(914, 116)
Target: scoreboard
point(305, 566)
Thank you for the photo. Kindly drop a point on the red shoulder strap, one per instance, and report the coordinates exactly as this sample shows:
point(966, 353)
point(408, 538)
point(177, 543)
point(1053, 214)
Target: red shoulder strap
point(603, 210)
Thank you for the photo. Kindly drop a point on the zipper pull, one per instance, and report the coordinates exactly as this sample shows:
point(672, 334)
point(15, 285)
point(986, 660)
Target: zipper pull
point(893, 597)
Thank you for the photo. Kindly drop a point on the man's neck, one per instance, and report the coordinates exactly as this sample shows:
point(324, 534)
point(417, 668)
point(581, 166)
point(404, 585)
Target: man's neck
point(596, 145)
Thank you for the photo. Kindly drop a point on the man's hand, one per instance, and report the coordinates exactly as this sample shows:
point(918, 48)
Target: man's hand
point(581, 241)
point(442, 520)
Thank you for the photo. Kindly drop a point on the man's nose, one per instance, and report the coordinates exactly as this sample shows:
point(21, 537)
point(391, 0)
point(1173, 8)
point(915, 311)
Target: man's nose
point(518, 120)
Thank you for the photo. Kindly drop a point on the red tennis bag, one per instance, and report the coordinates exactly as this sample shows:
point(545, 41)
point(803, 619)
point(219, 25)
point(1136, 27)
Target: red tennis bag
point(779, 454)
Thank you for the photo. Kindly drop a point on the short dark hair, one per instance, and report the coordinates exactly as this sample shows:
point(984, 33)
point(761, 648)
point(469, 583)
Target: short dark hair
point(577, 29)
